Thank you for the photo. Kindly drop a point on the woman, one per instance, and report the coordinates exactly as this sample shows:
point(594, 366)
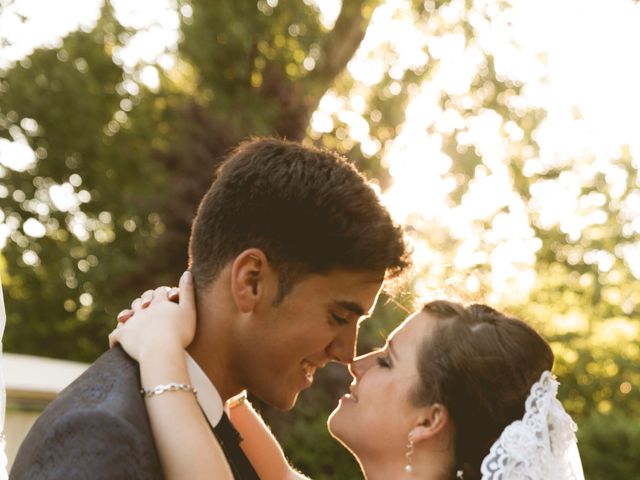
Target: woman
point(443, 398)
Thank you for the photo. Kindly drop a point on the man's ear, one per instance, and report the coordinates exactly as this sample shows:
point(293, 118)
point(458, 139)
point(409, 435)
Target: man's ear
point(247, 278)
point(433, 421)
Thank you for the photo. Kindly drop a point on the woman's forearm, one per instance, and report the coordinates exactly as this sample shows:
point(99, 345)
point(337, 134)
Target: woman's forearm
point(260, 446)
point(186, 445)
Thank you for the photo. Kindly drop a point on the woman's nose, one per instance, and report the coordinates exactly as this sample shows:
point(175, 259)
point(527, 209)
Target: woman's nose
point(358, 366)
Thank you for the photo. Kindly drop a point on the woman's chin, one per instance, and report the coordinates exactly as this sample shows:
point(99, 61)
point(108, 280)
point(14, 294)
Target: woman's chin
point(341, 429)
point(336, 424)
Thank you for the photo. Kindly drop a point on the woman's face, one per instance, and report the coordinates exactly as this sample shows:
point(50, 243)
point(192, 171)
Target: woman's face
point(377, 415)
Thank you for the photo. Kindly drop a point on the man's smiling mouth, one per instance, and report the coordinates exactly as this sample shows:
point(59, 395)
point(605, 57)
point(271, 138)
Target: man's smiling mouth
point(309, 370)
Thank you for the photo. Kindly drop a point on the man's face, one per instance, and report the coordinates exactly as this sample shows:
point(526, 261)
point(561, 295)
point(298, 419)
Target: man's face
point(315, 323)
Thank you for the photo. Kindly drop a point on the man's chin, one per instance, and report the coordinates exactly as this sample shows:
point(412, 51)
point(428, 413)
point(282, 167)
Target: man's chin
point(289, 403)
point(281, 402)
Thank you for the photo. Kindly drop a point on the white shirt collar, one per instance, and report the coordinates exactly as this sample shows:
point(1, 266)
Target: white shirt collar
point(208, 397)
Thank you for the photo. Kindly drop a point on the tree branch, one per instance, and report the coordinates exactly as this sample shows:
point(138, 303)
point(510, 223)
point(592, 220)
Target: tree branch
point(342, 42)
point(338, 47)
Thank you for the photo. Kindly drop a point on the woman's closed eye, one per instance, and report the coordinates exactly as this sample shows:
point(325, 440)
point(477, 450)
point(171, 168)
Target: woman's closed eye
point(383, 361)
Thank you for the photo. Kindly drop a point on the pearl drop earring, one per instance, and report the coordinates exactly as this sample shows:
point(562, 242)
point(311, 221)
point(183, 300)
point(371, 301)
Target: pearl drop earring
point(408, 467)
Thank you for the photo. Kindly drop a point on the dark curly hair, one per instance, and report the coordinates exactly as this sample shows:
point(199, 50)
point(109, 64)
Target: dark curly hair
point(480, 364)
point(309, 210)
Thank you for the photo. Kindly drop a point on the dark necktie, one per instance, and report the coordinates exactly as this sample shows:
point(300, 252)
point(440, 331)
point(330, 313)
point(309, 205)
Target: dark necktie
point(230, 439)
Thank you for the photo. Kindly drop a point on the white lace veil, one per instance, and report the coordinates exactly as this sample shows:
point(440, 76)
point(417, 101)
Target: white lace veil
point(3, 456)
point(541, 446)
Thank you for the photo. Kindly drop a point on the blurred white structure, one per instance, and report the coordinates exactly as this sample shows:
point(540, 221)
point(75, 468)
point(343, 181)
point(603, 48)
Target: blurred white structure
point(3, 445)
point(31, 383)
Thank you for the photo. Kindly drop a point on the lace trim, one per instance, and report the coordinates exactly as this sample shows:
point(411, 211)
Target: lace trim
point(536, 447)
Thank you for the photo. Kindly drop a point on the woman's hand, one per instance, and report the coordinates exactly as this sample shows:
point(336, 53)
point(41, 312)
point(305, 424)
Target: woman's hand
point(156, 322)
point(143, 301)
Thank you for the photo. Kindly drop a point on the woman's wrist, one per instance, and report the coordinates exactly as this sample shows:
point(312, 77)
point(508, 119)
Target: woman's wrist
point(168, 350)
point(163, 366)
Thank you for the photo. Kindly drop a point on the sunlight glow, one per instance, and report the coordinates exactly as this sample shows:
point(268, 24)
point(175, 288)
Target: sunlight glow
point(576, 65)
point(329, 11)
point(16, 155)
point(565, 71)
point(156, 23)
point(616, 331)
point(45, 24)
point(63, 197)
point(150, 77)
point(34, 228)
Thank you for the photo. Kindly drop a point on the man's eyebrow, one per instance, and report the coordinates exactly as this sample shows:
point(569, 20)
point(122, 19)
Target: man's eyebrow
point(352, 307)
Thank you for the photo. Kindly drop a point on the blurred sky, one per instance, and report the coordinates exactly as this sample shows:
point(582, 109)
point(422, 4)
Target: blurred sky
point(578, 60)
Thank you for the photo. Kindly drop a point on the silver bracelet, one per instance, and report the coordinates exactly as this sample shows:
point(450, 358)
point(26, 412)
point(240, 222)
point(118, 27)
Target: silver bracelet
point(169, 387)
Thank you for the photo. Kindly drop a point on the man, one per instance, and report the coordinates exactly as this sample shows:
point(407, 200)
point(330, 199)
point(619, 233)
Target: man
point(288, 251)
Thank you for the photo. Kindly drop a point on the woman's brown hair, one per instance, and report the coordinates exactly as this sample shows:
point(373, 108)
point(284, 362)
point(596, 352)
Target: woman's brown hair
point(480, 364)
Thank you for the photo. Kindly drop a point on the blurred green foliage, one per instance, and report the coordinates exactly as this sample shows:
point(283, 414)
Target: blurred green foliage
point(609, 447)
point(135, 161)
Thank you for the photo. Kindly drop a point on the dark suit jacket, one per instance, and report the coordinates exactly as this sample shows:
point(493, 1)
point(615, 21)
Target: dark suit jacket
point(98, 429)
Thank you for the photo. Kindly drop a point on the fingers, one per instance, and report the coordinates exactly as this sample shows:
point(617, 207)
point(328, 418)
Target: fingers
point(113, 337)
point(143, 301)
point(186, 291)
point(160, 294)
point(124, 315)
point(174, 294)
point(135, 305)
point(146, 299)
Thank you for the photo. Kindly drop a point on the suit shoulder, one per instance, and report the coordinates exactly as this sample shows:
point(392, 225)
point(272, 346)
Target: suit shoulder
point(101, 407)
point(88, 444)
point(113, 376)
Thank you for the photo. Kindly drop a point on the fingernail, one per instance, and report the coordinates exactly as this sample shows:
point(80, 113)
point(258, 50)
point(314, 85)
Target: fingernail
point(146, 300)
point(121, 314)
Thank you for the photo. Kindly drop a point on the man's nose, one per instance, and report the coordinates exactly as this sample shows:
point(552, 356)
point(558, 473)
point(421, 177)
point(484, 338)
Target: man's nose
point(342, 349)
